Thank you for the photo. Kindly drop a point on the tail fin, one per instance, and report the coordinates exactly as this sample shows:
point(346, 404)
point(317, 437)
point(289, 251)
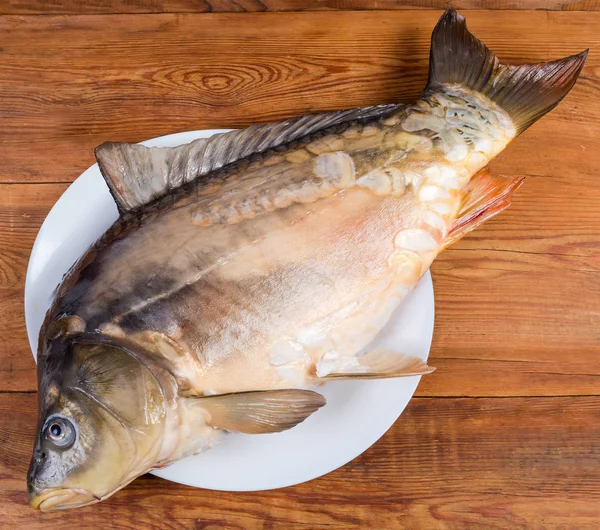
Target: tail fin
point(525, 92)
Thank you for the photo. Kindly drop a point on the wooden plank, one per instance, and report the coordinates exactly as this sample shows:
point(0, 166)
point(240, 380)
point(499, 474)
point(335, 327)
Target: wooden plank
point(38, 7)
point(22, 211)
point(446, 463)
point(517, 301)
point(70, 83)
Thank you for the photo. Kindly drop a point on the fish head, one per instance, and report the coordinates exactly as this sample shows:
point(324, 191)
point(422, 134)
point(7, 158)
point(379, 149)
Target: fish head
point(101, 418)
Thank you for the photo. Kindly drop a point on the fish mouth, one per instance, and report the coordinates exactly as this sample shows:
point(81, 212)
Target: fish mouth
point(62, 499)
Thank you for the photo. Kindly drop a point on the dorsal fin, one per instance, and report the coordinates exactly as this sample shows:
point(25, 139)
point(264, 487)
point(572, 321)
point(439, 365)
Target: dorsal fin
point(136, 175)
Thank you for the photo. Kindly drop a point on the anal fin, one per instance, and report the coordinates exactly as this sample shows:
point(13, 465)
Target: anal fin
point(260, 412)
point(381, 363)
point(485, 197)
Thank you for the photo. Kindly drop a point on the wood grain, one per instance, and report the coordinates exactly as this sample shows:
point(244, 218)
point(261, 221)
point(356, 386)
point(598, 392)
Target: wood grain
point(505, 434)
point(237, 6)
point(447, 463)
point(517, 301)
point(499, 331)
point(71, 83)
point(22, 211)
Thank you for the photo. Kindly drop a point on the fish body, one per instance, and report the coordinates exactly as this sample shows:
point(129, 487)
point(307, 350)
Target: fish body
point(234, 281)
point(249, 268)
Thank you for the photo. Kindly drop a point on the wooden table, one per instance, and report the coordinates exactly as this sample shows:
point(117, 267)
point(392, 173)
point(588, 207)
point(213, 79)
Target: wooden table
point(506, 433)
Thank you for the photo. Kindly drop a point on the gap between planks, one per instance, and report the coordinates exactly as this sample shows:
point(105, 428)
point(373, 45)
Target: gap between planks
point(103, 7)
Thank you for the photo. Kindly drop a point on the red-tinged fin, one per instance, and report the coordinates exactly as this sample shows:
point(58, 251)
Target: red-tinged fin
point(486, 196)
point(525, 92)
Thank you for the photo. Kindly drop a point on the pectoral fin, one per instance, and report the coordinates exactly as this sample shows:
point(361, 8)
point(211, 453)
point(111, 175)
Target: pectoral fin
point(261, 412)
point(381, 363)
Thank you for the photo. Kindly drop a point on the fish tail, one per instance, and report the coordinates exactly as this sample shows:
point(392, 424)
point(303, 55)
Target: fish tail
point(524, 92)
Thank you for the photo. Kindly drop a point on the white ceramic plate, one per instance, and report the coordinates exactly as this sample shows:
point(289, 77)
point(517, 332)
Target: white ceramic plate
point(357, 413)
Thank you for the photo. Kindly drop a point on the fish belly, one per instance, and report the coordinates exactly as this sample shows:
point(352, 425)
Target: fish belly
point(321, 282)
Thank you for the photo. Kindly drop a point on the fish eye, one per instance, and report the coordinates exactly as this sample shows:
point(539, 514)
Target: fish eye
point(60, 432)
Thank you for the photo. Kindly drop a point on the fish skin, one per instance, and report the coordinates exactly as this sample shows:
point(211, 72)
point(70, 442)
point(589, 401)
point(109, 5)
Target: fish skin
point(271, 301)
point(216, 290)
point(272, 272)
